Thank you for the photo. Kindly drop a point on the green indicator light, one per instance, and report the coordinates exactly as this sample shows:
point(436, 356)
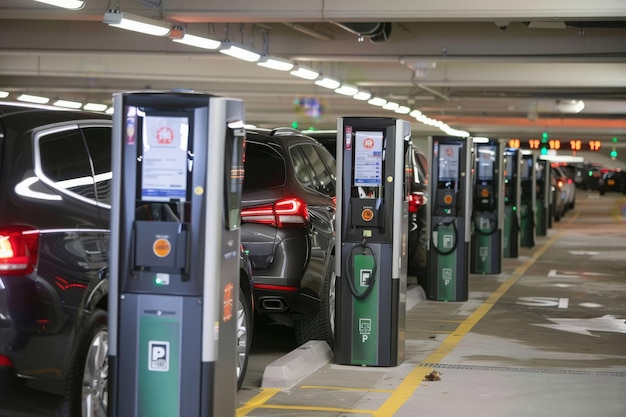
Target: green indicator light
point(158, 281)
point(613, 154)
point(294, 124)
point(590, 173)
point(544, 151)
point(544, 137)
point(614, 140)
point(514, 208)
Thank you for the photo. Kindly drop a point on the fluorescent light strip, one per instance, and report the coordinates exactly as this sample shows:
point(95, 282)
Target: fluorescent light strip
point(240, 52)
point(140, 24)
point(199, 41)
point(403, 110)
point(377, 101)
point(68, 104)
point(327, 82)
point(275, 63)
point(66, 4)
point(4, 94)
point(347, 90)
point(362, 95)
point(304, 72)
point(95, 107)
point(33, 99)
point(390, 105)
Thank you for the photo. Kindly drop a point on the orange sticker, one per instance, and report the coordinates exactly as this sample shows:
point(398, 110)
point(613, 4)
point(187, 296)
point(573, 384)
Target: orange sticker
point(162, 247)
point(228, 302)
point(367, 214)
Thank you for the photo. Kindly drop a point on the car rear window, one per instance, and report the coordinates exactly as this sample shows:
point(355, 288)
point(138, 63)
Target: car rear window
point(264, 168)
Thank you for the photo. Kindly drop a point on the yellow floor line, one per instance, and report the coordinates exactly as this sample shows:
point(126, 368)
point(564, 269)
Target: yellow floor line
point(410, 383)
point(258, 400)
point(343, 388)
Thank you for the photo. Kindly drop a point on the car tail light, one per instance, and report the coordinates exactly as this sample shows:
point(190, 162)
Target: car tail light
point(281, 213)
point(18, 250)
point(416, 201)
point(5, 362)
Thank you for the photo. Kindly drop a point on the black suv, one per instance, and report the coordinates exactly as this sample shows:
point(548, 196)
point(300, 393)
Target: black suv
point(288, 210)
point(55, 175)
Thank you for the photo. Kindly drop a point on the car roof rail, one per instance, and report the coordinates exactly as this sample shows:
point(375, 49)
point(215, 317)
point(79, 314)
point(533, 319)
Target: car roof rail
point(285, 131)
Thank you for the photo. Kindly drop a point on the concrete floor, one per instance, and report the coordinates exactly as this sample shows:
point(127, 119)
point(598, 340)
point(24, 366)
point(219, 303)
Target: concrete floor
point(546, 337)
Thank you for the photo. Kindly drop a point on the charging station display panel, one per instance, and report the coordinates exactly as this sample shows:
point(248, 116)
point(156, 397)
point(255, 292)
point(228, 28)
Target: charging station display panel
point(449, 156)
point(526, 168)
point(368, 158)
point(165, 146)
point(486, 158)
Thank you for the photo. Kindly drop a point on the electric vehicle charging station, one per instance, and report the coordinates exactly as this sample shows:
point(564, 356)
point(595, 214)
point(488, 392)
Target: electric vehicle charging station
point(544, 184)
point(528, 203)
point(488, 213)
point(372, 218)
point(174, 254)
point(512, 199)
point(449, 219)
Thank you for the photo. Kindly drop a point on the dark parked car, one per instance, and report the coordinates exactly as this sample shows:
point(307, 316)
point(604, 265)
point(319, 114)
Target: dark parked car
point(418, 201)
point(613, 180)
point(418, 210)
point(55, 174)
point(288, 210)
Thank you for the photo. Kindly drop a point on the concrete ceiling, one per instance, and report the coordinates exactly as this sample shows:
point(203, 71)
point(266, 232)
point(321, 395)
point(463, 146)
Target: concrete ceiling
point(492, 68)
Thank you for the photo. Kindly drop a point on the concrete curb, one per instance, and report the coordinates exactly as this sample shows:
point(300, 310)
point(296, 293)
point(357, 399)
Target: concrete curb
point(287, 371)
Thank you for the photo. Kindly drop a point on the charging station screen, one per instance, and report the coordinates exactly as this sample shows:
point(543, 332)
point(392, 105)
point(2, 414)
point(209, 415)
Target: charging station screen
point(527, 164)
point(368, 158)
point(164, 158)
point(486, 158)
point(449, 161)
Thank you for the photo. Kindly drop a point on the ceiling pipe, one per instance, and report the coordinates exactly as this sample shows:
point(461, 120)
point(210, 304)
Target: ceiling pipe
point(310, 31)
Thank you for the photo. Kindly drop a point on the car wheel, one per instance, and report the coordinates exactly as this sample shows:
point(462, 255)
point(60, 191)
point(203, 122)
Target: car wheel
point(244, 336)
point(87, 384)
point(321, 326)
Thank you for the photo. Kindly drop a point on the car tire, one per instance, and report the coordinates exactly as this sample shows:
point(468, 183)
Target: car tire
point(321, 326)
point(87, 383)
point(244, 336)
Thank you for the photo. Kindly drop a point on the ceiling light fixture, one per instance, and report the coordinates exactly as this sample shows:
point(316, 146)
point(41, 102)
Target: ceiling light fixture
point(66, 4)
point(4, 94)
point(362, 95)
point(403, 110)
point(198, 41)
point(33, 99)
point(377, 101)
point(415, 113)
point(570, 106)
point(95, 107)
point(328, 82)
point(390, 105)
point(116, 18)
point(68, 104)
point(240, 52)
point(274, 63)
point(347, 90)
point(304, 72)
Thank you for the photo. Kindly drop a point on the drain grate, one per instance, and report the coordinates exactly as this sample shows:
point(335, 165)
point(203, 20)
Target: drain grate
point(519, 369)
